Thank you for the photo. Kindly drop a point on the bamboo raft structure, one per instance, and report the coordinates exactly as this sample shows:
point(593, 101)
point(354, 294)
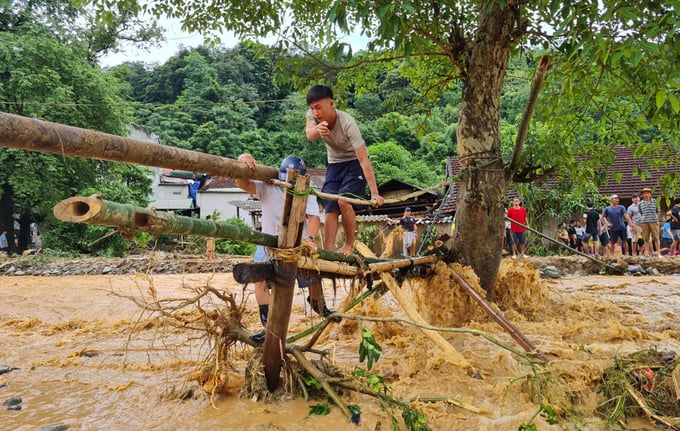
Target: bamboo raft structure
point(52, 138)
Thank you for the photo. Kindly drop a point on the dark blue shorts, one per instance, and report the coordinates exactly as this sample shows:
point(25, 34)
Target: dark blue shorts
point(519, 238)
point(615, 235)
point(345, 179)
point(604, 239)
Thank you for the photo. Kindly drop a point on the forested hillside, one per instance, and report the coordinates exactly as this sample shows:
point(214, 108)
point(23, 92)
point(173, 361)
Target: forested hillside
point(226, 101)
point(406, 93)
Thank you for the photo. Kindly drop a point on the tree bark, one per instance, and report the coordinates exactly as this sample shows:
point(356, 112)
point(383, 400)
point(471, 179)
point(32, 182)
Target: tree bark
point(6, 217)
point(482, 183)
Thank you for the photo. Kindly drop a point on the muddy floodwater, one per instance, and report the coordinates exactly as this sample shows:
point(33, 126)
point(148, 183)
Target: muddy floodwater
point(83, 354)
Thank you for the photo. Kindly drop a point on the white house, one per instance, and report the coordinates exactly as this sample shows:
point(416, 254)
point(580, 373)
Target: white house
point(220, 194)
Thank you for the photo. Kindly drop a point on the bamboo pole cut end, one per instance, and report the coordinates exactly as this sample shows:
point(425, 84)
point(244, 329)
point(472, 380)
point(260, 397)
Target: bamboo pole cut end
point(77, 209)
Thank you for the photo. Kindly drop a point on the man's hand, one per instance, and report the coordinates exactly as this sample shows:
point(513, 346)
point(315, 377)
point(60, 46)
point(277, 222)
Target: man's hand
point(379, 200)
point(248, 159)
point(323, 129)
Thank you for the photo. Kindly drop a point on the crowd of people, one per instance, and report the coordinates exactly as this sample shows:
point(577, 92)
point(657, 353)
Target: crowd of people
point(636, 230)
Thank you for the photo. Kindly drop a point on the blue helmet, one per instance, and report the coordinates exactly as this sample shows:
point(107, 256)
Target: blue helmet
point(291, 162)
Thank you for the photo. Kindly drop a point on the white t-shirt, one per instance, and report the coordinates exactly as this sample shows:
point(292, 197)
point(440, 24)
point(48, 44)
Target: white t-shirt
point(272, 199)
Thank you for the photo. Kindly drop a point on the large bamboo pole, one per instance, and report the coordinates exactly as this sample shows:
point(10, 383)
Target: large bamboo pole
point(45, 137)
point(325, 266)
point(97, 211)
point(254, 272)
point(100, 212)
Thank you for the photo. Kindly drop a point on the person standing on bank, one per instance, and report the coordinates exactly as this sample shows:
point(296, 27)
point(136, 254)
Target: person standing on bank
point(4, 243)
point(349, 168)
point(649, 220)
point(674, 214)
point(633, 218)
point(408, 223)
point(592, 219)
point(614, 214)
point(518, 214)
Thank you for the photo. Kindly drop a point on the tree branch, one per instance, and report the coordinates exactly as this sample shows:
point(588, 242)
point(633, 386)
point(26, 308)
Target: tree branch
point(543, 66)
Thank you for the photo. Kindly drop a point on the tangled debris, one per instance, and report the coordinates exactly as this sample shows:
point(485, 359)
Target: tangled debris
point(644, 383)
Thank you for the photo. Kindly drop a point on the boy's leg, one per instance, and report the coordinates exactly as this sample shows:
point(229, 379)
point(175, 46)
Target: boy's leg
point(349, 222)
point(330, 230)
point(352, 184)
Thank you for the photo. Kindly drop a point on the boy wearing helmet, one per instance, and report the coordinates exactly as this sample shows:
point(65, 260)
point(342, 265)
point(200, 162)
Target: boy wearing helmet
point(349, 168)
point(272, 199)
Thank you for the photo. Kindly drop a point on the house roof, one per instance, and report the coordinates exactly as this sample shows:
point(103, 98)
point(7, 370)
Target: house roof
point(219, 183)
point(317, 177)
point(621, 178)
point(630, 183)
point(425, 203)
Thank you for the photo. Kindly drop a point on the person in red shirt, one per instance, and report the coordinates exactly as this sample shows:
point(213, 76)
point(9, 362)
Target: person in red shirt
point(518, 214)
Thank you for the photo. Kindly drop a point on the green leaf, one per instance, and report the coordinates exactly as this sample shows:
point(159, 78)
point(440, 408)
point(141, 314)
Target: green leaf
point(675, 103)
point(311, 381)
point(554, 5)
point(354, 409)
point(369, 349)
point(660, 98)
point(319, 410)
point(649, 46)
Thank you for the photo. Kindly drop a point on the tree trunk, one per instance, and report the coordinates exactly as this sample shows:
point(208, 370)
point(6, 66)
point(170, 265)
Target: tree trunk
point(482, 186)
point(6, 218)
point(24, 232)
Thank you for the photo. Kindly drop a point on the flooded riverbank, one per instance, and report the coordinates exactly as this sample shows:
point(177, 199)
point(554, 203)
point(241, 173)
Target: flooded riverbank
point(91, 359)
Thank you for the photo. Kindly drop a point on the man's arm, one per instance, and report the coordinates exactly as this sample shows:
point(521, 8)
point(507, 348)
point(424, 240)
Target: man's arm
point(627, 217)
point(315, 130)
point(247, 185)
point(365, 162)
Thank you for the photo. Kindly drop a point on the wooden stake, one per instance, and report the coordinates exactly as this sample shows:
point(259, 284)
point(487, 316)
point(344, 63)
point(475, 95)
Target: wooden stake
point(281, 301)
point(499, 318)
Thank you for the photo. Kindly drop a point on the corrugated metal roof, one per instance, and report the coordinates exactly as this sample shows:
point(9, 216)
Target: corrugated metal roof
point(171, 204)
point(248, 205)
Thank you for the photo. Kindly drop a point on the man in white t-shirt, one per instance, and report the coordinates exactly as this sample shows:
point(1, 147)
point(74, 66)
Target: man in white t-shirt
point(272, 199)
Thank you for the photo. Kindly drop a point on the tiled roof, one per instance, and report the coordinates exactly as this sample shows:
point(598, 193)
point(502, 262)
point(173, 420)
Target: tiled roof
point(219, 183)
point(448, 205)
point(624, 166)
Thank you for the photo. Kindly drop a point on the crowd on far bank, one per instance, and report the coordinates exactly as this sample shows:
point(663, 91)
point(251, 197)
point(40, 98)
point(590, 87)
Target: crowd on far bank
point(639, 230)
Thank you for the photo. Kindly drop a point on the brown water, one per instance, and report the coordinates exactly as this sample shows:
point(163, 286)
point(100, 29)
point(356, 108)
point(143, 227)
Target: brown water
point(90, 359)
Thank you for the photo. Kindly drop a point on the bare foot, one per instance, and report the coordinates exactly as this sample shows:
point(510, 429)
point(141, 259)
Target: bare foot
point(346, 249)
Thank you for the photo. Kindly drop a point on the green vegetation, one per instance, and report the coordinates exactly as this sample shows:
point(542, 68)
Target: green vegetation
point(611, 83)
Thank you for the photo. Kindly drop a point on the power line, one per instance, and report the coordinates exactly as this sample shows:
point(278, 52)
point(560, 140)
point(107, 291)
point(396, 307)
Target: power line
point(153, 105)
